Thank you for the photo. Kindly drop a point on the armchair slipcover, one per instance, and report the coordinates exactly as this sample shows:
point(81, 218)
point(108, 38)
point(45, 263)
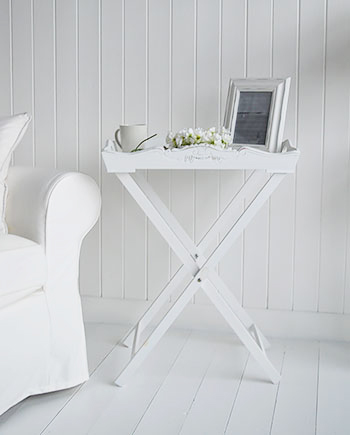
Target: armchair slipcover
point(42, 340)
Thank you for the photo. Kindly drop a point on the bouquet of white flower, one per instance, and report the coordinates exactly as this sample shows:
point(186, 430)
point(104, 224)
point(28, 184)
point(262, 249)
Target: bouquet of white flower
point(189, 136)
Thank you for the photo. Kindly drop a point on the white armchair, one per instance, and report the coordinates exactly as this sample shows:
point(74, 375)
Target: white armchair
point(42, 337)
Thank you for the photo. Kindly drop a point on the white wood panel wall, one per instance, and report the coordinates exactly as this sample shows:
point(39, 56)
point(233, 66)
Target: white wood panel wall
point(83, 67)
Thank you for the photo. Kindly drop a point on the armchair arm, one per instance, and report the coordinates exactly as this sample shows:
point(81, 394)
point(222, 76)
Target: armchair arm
point(57, 210)
point(44, 205)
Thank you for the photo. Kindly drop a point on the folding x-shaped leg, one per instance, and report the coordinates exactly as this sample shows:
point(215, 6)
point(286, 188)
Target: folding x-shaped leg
point(200, 268)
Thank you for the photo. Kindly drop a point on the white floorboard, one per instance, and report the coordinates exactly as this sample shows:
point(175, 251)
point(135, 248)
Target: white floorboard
point(295, 411)
point(168, 409)
point(333, 406)
point(124, 406)
point(130, 402)
point(196, 383)
point(252, 408)
point(213, 402)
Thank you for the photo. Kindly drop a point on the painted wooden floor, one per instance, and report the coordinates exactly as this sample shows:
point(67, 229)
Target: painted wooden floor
point(196, 383)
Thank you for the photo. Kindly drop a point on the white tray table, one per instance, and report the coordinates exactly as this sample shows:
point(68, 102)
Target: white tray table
point(198, 268)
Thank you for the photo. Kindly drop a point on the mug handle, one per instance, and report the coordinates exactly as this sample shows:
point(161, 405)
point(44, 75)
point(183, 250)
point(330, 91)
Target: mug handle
point(116, 138)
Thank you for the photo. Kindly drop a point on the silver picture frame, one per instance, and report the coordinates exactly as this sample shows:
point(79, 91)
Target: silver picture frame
point(256, 111)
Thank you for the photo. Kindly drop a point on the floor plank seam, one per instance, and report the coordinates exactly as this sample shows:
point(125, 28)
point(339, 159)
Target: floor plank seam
point(236, 395)
point(317, 384)
point(165, 378)
point(118, 343)
point(199, 387)
point(278, 389)
point(61, 409)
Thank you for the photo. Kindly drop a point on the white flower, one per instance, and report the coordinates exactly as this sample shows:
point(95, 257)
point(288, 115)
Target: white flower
point(183, 133)
point(178, 139)
point(188, 136)
point(170, 137)
point(203, 138)
point(190, 132)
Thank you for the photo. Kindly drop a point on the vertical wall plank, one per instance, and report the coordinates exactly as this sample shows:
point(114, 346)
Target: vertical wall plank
point(310, 142)
point(347, 264)
point(89, 135)
point(112, 211)
point(183, 63)
point(256, 235)
point(207, 91)
point(135, 113)
point(207, 107)
point(135, 61)
point(183, 85)
point(259, 38)
point(66, 84)
point(158, 252)
point(282, 204)
point(232, 66)
point(5, 59)
point(336, 156)
point(23, 74)
point(44, 82)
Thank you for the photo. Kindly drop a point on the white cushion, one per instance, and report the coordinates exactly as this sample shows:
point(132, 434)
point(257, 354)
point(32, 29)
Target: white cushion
point(23, 268)
point(12, 129)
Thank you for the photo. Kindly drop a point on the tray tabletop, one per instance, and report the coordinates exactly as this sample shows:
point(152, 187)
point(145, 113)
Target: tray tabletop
point(202, 157)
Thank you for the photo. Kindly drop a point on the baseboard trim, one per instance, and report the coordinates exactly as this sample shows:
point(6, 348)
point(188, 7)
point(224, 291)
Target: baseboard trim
point(274, 323)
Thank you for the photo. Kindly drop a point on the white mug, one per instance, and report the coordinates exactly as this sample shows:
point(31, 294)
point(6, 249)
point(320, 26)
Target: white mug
point(130, 136)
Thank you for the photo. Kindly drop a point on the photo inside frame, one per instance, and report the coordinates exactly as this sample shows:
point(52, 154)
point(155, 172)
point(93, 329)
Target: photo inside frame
point(252, 117)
